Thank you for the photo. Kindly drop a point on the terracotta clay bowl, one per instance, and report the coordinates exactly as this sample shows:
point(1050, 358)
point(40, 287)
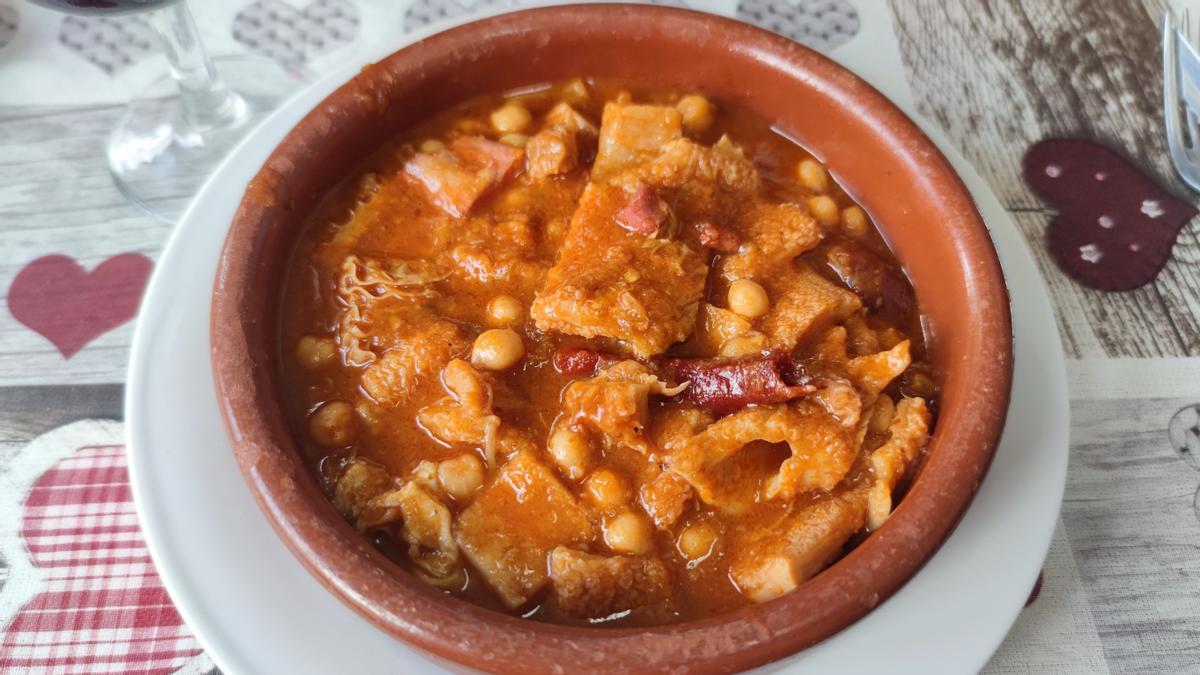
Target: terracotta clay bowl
point(880, 157)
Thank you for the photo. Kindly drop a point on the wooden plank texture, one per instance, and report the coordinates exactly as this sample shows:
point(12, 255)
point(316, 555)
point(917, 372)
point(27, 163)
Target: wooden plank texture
point(1130, 512)
point(27, 412)
point(999, 76)
point(56, 196)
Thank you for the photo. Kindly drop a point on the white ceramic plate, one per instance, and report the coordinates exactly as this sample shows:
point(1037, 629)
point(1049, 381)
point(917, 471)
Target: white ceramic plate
point(256, 610)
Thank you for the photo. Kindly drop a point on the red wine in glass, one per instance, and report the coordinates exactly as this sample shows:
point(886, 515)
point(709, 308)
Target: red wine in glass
point(103, 7)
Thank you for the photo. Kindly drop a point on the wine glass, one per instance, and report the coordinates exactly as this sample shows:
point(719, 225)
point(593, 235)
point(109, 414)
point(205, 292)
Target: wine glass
point(174, 133)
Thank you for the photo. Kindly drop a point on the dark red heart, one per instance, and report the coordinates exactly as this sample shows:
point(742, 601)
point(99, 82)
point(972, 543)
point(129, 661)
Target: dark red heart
point(1037, 589)
point(69, 306)
point(1115, 227)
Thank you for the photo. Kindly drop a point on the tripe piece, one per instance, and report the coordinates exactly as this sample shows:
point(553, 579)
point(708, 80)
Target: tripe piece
point(515, 522)
point(609, 282)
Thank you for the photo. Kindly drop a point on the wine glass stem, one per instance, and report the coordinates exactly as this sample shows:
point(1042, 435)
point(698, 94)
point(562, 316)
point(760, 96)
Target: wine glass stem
point(207, 103)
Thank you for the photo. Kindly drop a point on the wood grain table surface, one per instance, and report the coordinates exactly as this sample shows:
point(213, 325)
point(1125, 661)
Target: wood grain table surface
point(997, 76)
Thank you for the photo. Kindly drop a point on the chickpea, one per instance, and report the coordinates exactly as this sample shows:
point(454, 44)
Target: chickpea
point(824, 209)
point(432, 145)
point(890, 337)
point(854, 221)
point(697, 113)
point(333, 425)
point(919, 384)
point(882, 413)
point(748, 298)
point(466, 386)
point(504, 310)
point(425, 475)
point(576, 91)
point(515, 140)
point(460, 477)
point(510, 118)
point(812, 175)
point(314, 352)
point(605, 489)
point(368, 412)
point(497, 349)
point(570, 450)
point(470, 126)
point(697, 540)
point(517, 231)
point(628, 533)
point(555, 228)
point(744, 345)
point(514, 199)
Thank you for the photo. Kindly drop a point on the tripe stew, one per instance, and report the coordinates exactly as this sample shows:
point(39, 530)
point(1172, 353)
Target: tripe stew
point(593, 353)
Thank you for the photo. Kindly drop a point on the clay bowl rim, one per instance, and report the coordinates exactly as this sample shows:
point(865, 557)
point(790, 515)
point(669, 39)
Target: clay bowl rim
point(451, 628)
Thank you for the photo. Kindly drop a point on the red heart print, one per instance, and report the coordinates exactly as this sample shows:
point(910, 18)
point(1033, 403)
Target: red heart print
point(1115, 227)
point(101, 606)
point(69, 306)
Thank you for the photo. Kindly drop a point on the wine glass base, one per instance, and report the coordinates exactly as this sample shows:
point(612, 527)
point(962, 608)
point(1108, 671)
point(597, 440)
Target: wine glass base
point(159, 162)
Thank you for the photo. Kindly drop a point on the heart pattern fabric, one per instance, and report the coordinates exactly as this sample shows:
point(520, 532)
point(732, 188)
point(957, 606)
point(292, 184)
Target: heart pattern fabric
point(424, 12)
point(101, 606)
point(421, 13)
point(69, 306)
point(822, 25)
point(293, 36)
point(109, 44)
point(299, 33)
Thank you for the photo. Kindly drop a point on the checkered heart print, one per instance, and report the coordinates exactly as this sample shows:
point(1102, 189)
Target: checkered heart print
point(100, 606)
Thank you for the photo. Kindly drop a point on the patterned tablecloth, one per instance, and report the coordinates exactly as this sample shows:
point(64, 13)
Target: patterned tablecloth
point(78, 591)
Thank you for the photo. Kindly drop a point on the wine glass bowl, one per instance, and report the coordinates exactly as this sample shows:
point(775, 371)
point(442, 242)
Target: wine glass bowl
point(160, 153)
point(175, 132)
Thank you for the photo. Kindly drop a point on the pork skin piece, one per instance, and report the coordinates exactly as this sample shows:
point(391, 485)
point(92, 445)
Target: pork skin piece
point(456, 177)
point(781, 558)
point(592, 586)
point(510, 528)
point(631, 135)
point(641, 291)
